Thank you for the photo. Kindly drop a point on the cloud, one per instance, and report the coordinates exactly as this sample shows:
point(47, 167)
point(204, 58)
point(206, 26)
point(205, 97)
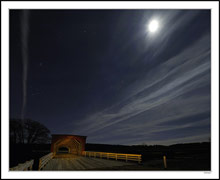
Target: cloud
point(172, 92)
point(185, 139)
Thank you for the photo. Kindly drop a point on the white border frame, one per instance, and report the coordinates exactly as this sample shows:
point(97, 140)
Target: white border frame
point(111, 5)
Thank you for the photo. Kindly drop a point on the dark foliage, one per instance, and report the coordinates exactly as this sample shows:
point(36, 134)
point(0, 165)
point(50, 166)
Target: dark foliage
point(19, 153)
point(28, 140)
point(28, 132)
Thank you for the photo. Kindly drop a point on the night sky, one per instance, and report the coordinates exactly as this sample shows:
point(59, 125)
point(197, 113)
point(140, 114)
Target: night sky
point(102, 74)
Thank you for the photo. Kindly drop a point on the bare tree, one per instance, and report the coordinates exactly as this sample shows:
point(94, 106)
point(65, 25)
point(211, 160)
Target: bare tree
point(34, 132)
point(16, 134)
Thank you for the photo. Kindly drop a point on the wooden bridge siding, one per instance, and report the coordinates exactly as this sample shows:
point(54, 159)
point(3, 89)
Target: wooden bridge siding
point(81, 163)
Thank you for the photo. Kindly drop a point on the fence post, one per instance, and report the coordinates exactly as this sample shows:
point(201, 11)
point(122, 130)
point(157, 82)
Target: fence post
point(107, 155)
point(165, 162)
point(126, 158)
point(39, 165)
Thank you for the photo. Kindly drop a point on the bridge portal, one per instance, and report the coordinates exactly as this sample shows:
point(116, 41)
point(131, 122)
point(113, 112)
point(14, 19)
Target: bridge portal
point(72, 144)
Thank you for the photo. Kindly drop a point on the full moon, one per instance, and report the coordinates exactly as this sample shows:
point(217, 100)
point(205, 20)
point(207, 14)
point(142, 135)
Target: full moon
point(153, 26)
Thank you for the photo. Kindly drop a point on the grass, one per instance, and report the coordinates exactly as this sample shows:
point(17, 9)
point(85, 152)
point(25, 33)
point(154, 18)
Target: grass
point(187, 164)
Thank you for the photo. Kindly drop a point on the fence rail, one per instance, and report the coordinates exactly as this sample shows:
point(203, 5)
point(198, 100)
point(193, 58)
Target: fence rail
point(116, 156)
point(44, 160)
point(28, 165)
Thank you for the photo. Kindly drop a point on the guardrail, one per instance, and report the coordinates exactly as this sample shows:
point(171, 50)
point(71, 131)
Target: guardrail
point(44, 160)
point(116, 156)
point(28, 165)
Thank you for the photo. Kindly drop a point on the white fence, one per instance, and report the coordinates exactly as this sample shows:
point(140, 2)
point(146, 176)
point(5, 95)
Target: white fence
point(44, 160)
point(28, 165)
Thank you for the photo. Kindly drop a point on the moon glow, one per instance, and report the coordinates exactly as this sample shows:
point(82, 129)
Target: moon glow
point(153, 26)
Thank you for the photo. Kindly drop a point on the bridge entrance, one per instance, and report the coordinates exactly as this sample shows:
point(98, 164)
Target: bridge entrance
point(71, 144)
point(63, 150)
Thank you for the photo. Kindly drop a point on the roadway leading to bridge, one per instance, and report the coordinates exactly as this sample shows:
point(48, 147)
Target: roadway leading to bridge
point(71, 162)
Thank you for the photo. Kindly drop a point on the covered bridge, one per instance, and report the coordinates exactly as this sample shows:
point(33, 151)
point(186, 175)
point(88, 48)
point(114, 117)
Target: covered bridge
point(72, 144)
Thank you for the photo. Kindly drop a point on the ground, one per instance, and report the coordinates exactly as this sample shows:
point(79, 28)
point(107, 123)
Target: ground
point(66, 162)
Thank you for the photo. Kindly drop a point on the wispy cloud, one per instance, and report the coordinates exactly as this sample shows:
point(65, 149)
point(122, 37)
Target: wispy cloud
point(171, 97)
